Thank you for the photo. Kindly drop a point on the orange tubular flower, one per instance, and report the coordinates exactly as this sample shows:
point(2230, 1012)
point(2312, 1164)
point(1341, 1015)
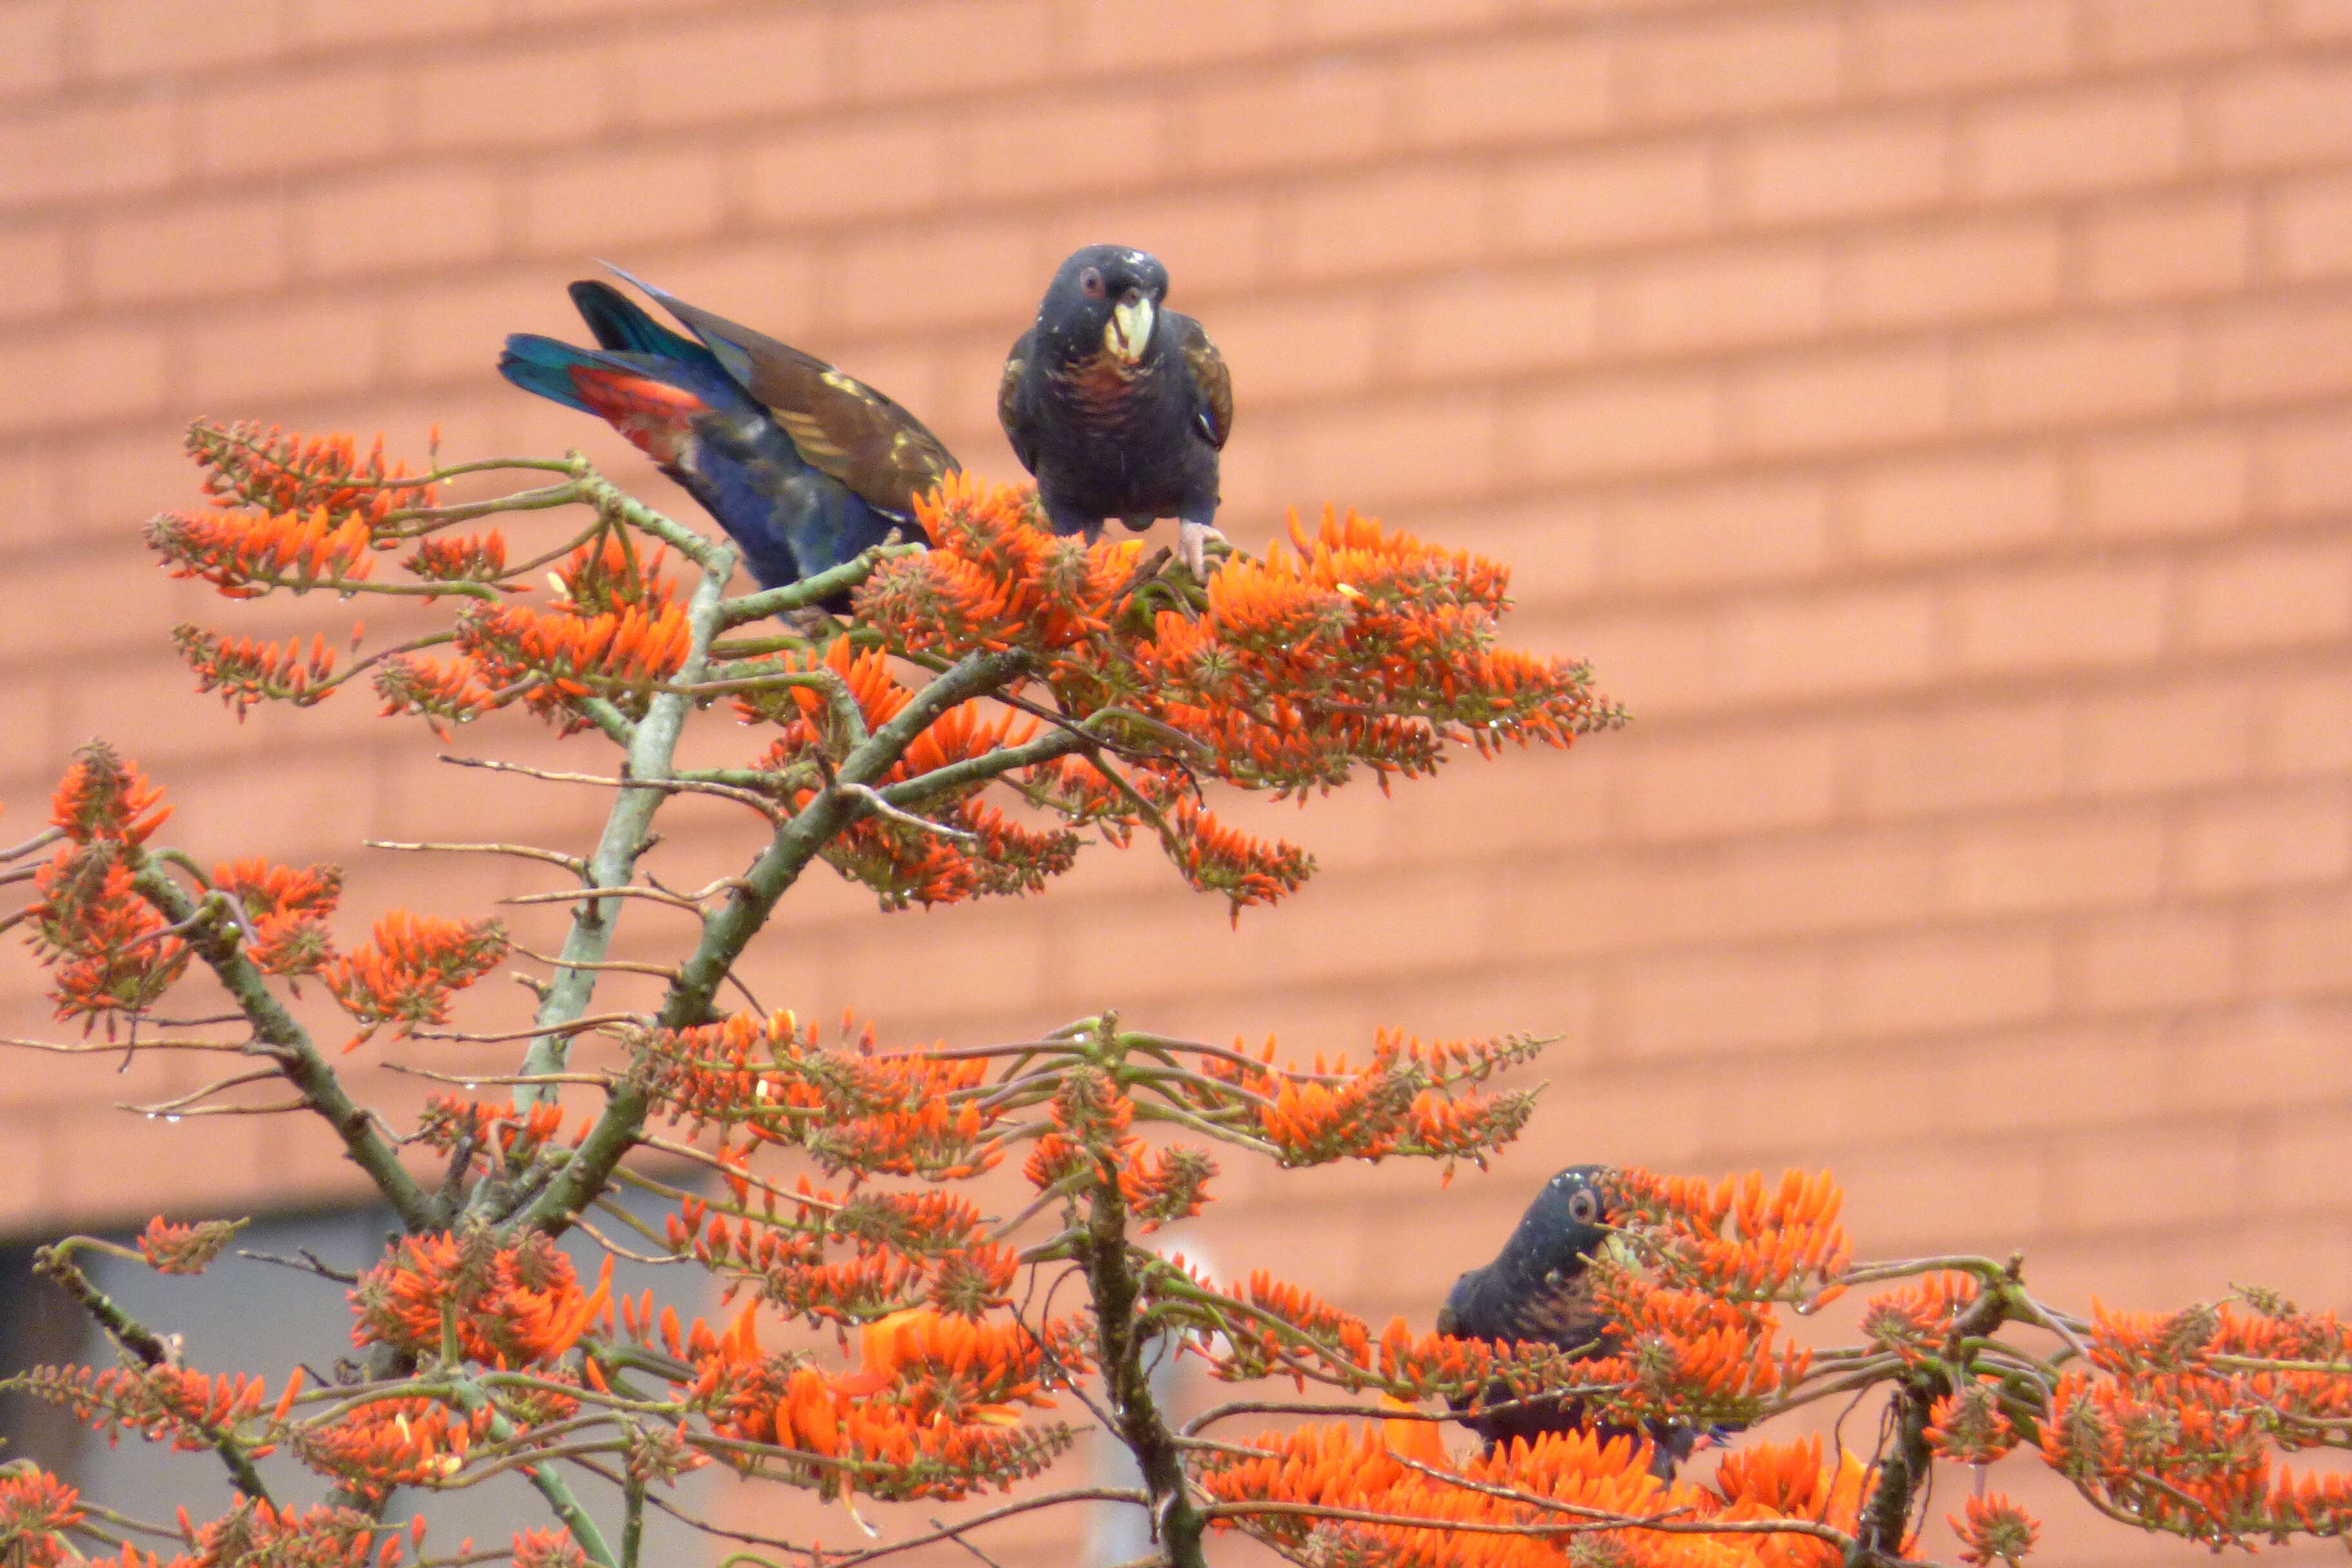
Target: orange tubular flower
point(407, 972)
point(1994, 1529)
point(36, 1509)
point(511, 1306)
point(184, 1248)
point(246, 672)
point(288, 910)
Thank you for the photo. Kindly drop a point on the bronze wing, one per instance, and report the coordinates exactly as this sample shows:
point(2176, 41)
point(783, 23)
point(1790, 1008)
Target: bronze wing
point(841, 426)
point(1214, 382)
point(1017, 428)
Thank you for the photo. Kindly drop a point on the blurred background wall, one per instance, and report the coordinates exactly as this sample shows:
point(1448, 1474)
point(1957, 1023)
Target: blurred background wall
point(1933, 417)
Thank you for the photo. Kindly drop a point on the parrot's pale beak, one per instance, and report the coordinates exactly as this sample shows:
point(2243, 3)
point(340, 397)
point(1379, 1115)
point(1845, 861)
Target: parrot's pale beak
point(1130, 326)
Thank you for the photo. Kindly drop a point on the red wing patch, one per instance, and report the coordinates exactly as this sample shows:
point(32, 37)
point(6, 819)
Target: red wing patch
point(654, 416)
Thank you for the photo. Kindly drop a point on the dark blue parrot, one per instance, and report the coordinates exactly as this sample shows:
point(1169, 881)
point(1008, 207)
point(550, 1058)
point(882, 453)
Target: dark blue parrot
point(803, 466)
point(1538, 1291)
point(1119, 405)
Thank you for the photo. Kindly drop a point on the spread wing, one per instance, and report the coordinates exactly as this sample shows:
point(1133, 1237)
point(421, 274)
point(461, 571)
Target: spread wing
point(1017, 428)
point(841, 426)
point(1214, 381)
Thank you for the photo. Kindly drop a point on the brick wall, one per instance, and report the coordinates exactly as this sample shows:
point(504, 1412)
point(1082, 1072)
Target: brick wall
point(1933, 417)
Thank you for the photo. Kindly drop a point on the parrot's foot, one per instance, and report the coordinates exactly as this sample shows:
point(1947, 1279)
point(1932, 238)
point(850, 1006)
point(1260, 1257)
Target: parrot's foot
point(1192, 547)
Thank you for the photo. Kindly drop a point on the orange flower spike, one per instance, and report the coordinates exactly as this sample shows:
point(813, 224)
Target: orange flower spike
point(287, 1397)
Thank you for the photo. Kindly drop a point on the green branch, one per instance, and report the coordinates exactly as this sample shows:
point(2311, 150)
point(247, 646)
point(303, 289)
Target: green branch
point(141, 1342)
point(278, 1036)
point(652, 750)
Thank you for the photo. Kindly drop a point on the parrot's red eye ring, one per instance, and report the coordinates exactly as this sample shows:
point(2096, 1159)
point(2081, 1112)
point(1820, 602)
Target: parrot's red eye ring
point(1091, 281)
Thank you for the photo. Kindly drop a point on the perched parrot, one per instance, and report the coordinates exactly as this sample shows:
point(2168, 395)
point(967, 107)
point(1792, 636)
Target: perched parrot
point(1118, 406)
point(803, 466)
point(1538, 1291)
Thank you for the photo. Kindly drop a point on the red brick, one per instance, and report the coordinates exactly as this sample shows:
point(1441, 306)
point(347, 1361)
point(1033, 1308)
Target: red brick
point(1066, 148)
point(910, 52)
point(2299, 466)
point(78, 154)
point(51, 620)
point(2138, 32)
point(1658, 664)
point(1731, 64)
point(1513, 90)
point(2166, 959)
point(1333, 20)
point(2271, 595)
point(448, 329)
point(1212, 241)
point(510, 100)
point(1488, 323)
point(139, 38)
point(1590, 200)
point(316, 22)
point(1954, 272)
point(1285, 350)
point(1961, 759)
point(2316, 18)
point(400, 222)
point(1813, 885)
point(2168, 249)
point(1720, 786)
point(1950, 506)
point(299, 123)
point(36, 259)
point(2294, 1155)
point(2072, 616)
point(1850, 398)
point(2304, 725)
point(2071, 372)
point(2087, 139)
point(1123, 34)
point(769, 63)
point(1721, 299)
point(823, 173)
point(1293, 118)
point(2283, 349)
point(2267, 841)
point(1842, 168)
point(1623, 425)
point(1907, 47)
point(33, 492)
point(1384, 222)
point(1870, 639)
point(221, 246)
point(2179, 736)
point(289, 350)
point(33, 45)
point(1441, 445)
point(2269, 116)
point(2073, 862)
point(2308, 227)
point(894, 280)
point(93, 373)
point(2185, 1172)
point(585, 206)
point(2297, 947)
point(1952, 980)
point(1723, 531)
point(2177, 481)
point(1717, 1002)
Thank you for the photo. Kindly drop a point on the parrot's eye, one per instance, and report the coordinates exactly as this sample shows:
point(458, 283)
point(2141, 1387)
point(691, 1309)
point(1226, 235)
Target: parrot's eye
point(1583, 1207)
point(1090, 280)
